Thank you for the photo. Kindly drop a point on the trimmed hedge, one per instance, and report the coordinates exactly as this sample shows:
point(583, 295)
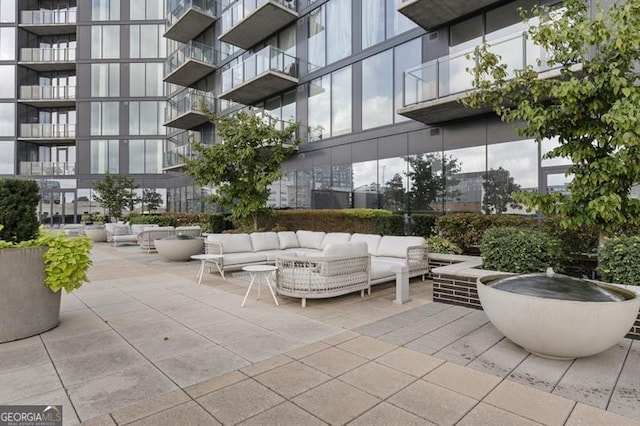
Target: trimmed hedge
point(390, 225)
point(346, 220)
point(422, 225)
point(18, 205)
point(619, 260)
point(153, 219)
point(466, 229)
point(521, 250)
point(209, 222)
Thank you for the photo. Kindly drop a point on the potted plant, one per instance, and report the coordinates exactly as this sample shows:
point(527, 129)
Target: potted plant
point(34, 264)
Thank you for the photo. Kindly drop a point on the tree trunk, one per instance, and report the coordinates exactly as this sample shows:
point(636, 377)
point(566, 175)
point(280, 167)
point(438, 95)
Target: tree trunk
point(602, 235)
point(255, 221)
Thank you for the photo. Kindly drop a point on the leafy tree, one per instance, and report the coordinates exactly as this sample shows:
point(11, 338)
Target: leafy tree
point(394, 193)
point(150, 200)
point(592, 106)
point(427, 182)
point(243, 166)
point(498, 186)
point(114, 193)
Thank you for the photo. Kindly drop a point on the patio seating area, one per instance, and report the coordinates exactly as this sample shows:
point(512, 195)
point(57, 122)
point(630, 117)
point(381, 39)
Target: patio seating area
point(143, 343)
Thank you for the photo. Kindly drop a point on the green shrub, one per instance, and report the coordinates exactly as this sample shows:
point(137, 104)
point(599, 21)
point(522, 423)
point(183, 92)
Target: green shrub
point(153, 219)
point(436, 244)
point(343, 220)
point(423, 225)
point(574, 241)
point(520, 250)
point(619, 260)
point(219, 223)
point(466, 229)
point(18, 205)
point(390, 225)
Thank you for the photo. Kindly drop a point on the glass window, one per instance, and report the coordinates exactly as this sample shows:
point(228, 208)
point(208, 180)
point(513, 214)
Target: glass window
point(547, 145)
point(145, 79)
point(341, 102)
point(365, 185)
point(393, 183)
point(377, 90)
point(405, 56)
point(316, 41)
point(426, 183)
point(7, 44)
point(373, 22)
point(7, 119)
point(397, 23)
point(105, 118)
point(105, 42)
point(105, 80)
point(105, 10)
point(7, 156)
point(8, 79)
point(105, 156)
point(464, 171)
point(7, 10)
point(145, 156)
point(146, 41)
point(330, 105)
point(145, 118)
point(338, 30)
point(304, 178)
point(146, 9)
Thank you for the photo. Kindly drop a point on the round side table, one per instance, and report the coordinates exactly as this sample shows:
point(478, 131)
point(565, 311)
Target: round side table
point(216, 259)
point(260, 273)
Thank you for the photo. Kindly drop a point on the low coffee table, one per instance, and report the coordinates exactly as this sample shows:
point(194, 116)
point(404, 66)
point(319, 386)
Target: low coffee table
point(260, 273)
point(216, 259)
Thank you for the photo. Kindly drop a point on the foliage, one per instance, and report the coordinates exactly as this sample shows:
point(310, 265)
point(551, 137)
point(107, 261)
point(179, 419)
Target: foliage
point(436, 244)
point(619, 260)
point(466, 229)
point(520, 250)
point(18, 205)
point(423, 225)
point(393, 193)
point(428, 180)
point(339, 220)
point(498, 186)
point(243, 166)
point(594, 113)
point(574, 241)
point(150, 200)
point(390, 225)
point(115, 193)
point(152, 219)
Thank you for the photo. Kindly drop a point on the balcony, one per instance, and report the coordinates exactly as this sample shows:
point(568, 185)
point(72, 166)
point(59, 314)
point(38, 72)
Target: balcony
point(37, 168)
point(48, 59)
point(190, 63)
point(432, 91)
point(430, 14)
point(261, 75)
point(178, 148)
point(247, 22)
point(48, 96)
point(48, 22)
point(44, 132)
point(184, 110)
point(190, 18)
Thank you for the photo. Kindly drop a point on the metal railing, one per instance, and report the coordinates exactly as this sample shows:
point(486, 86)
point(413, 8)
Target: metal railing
point(188, 100)
point(192, 50)
point(48, 54)
point(47, 130)
point(266, 59)
point(207, 6)
point(240, 9)
point(45, 17)
point(448, 75)
point(37, 168)
point(47, 92)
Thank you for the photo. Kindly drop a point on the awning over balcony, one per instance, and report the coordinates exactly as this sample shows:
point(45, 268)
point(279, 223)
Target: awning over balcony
point(430, 14)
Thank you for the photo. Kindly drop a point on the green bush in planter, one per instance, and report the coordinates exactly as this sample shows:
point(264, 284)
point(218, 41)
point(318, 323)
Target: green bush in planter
point(18, 203)
point(520, 250)
point(619, 260)
point(438, 244)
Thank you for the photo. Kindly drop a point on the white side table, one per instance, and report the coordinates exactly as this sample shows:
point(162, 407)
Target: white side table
point(216, 259)
point(260, 273)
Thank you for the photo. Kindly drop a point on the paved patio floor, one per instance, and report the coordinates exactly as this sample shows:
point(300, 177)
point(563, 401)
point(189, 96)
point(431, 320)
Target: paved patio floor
point(143, 343)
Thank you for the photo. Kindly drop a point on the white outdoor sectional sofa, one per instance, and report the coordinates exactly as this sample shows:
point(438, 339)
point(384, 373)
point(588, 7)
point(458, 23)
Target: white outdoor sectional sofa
point(318, 264)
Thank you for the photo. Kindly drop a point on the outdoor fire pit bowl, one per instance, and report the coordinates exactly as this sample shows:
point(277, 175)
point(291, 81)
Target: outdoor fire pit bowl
point(556, 316)
point(178, 247)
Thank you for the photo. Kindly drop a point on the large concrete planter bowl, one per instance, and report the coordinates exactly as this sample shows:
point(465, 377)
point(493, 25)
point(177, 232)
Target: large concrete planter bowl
point(558, 329)
point(178, 248)
point(27, 307)
point(97, 233)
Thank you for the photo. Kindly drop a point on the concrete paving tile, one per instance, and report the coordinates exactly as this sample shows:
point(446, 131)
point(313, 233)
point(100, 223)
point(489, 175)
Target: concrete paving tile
point(591, 380)
point(75, 323)
point(152, 406)
point(401, 336)
point(232, 330)
point(266, 365)
point(463, 380)
point(333, 361)
point(71, 303)
point(83, 344)
point(349, 320)
point(307, 331)
point(263, 346)
point(501, 359)
point(22, 354)
point(432, 402)
point(171, 344)
point(340, 338)
point(336, 402)
point(307, 350)
point(471, 346)
point(149, 330)
point(283, 414)
point(201, 317)
point(367, 347)
point(586, 415)
point(626, 395)
point(385, 326)
point(189, 413)
point(540, 373)
point(377, 380)
point(106, 312)
point(28, 382)
point(292, 379)
point(385, 414)
point(104, 420)
point(275, 319)
point(55, 397)
point(105, 297)
point(129, 319)
point(239, 401)
point(439, 319)
point(484, 414)
point(109, 393)
point(211, 385)
point(411, 362)
point(189, 368)
point(531, 403)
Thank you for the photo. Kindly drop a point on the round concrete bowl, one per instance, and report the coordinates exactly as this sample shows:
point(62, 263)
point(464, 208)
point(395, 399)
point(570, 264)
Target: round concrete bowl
point(178, 249)
point(97, 233)
point(558, 329)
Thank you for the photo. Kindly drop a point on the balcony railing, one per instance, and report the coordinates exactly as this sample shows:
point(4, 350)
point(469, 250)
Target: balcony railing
point(185, 109)
point(36, 168)
point(191, 51)
point(37, 93)
point(36, 54)
point(47, 131)
point(207, 6)
point(47, 17)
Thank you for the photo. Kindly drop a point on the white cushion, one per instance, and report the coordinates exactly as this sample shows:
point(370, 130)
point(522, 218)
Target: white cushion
point(310, 239)
point(265, 241)
point(139, 227)
point(389, 260)
point(381, 270)
point(232, 243)
point(272, 254)
point(240, 258)
point(121, 230)
point(372, 240)
point(335, 238)
point(130, 238)
point(346, 249)
point(288, 240)
point(392, 246)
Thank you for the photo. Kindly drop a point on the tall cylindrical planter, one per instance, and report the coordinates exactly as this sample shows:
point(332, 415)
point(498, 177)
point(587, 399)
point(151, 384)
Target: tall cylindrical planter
point(27, 306)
